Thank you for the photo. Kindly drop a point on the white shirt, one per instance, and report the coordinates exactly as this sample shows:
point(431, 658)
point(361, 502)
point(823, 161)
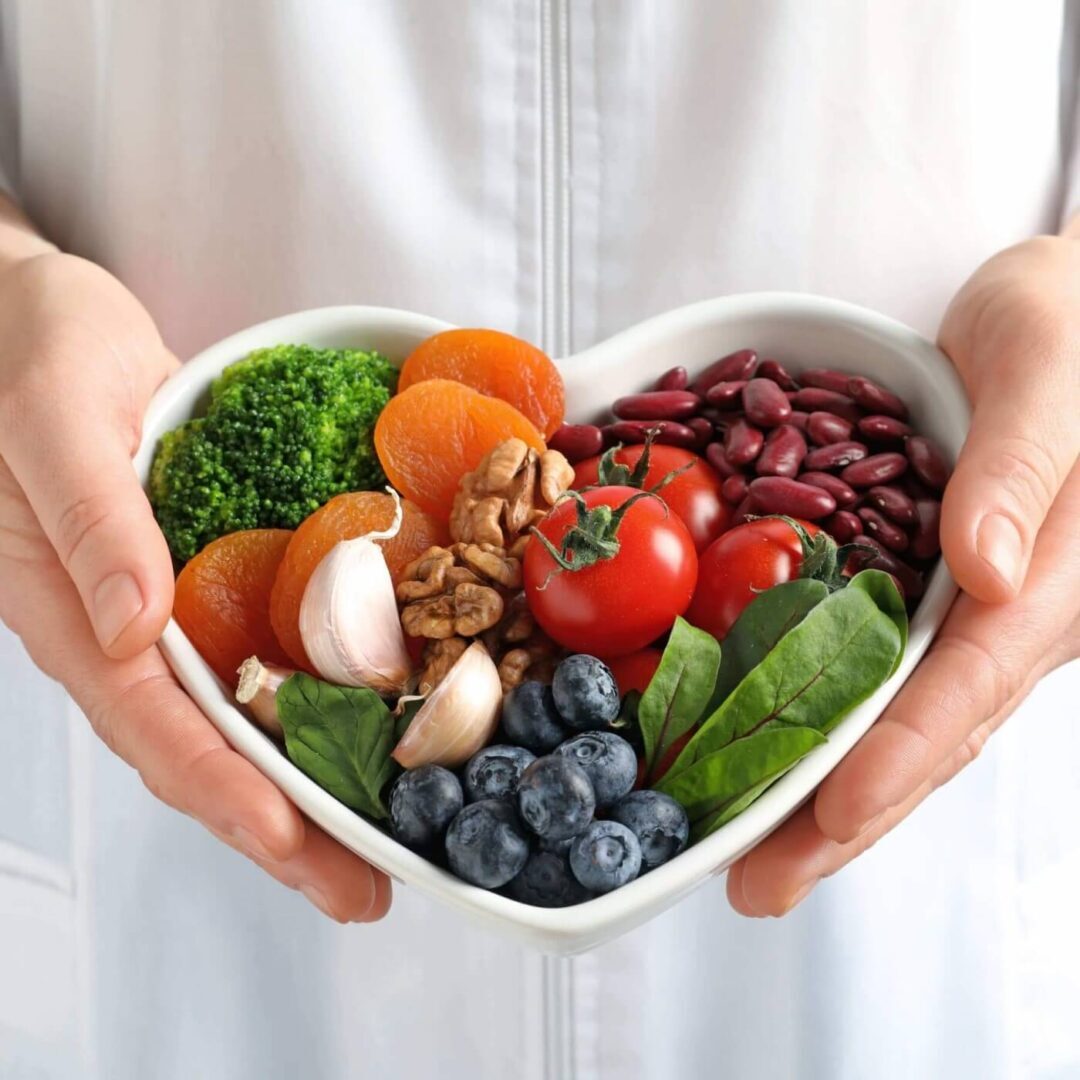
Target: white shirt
point(559, 170)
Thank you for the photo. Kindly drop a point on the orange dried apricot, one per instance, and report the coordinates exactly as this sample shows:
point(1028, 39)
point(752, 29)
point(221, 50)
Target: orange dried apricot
point(344, 518)
point(496, 364)
point(431, 434)
point(223, 599)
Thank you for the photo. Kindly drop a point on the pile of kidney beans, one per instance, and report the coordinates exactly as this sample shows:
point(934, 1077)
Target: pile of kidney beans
point(827, 447)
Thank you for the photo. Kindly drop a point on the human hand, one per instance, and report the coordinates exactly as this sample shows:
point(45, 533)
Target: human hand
point(86, 578)
point(1010, 517)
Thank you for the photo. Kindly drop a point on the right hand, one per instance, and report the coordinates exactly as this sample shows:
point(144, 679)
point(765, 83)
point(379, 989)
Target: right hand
point(86, 578)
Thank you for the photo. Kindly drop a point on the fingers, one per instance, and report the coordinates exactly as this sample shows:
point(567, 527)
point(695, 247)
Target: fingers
point(1023, 443)
point(69, 447)
point(981, 658)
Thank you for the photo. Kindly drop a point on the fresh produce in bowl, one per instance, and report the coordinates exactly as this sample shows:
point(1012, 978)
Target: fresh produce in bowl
point(473, 670)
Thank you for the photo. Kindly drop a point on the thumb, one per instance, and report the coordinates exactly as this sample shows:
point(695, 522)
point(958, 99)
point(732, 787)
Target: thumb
point(69, 448)
point(1022, 444)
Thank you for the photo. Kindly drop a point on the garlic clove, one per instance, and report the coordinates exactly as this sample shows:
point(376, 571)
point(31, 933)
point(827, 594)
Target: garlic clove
point(257, 689)
point(459, 716)
point(349, 621)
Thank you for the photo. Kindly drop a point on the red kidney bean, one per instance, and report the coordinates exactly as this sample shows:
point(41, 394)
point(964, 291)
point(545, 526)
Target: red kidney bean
point(825, 379)
point(668, 432)
point(843, 526)
point(876, 469)
point(925, 540)
point(782, 495)
point(743, 510)
point(783, 452)
point(877, 524)
point(773, 369)
point(835, 455)
point(657, 405)
point(577, 441)
point(765, 403)
point(742, 443)
point(915, 487)
point(927, 462)
point(715, 456)
point(876, 399)
point(736, 365)
point(734, 489)
point(883, 428)
point(911, 583)
point(704, 430)
point(798, 419)
point(825, 428)
point(676, 378)
point(895, 504)
point(815, 399)
point(844, 494)
point(726, 395)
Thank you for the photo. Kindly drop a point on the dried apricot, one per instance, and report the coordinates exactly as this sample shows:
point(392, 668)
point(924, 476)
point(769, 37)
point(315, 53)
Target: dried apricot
point(344, 518)
point(434, 432)
point(496, 364)
point(223, 599)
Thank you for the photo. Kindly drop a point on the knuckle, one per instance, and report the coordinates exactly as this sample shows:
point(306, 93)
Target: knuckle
point(987, 684)
point(79, 523)
point(1025, 470)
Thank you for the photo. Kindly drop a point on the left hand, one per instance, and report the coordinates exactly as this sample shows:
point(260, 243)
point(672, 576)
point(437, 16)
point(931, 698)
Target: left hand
point(1010, 518)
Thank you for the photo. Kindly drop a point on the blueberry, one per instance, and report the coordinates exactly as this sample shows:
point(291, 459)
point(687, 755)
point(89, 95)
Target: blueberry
point(493, 773)
point(548, 882)
point(658, 821)
point(423, 802)
point(486, 844)
point(558, 847)
point(555, 798)
point(608, 760)
point(530, 718)
point(585, 693)
point(606, 856)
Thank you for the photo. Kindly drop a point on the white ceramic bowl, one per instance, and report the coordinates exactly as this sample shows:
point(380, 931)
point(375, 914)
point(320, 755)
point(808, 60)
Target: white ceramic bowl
point(801, 331)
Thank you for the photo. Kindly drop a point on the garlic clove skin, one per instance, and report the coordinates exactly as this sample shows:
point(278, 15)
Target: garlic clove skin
point(458, 718)
point(349, 620)
point(257, 689)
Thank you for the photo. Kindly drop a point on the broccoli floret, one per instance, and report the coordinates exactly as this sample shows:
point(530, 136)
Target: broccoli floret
point(287, 429)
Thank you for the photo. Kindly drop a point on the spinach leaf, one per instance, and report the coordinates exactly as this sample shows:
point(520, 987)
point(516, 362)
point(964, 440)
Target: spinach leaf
point(883, 591)
point(680, 690)
point(341, 737)
point(731, 810)
point(763, 622)
point(736, 769)
point(842, 651)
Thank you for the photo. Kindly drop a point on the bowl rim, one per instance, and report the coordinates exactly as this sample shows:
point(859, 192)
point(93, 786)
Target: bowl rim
point(561, 930)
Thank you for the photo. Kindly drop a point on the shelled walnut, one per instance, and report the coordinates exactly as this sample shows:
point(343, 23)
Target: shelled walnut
point(510, 490)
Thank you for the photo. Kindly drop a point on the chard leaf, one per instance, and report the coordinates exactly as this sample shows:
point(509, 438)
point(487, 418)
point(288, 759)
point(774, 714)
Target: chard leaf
point(763, 622)
point(881, 588)
point(680, 690)
point(342, 738)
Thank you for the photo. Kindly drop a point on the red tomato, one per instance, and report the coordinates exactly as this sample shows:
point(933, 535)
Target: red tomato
point(621, 604)
point(739, 565)
point(694, 496)
point(635, 671)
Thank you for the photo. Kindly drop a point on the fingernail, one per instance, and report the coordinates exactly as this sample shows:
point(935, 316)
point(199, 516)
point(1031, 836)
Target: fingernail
point(117, 601)
point(248, 842)
point(999, 544)
point(801, 895)
point(318, 900)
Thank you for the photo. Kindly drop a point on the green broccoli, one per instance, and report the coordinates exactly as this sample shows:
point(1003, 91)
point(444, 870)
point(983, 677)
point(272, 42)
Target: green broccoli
point(287, 429)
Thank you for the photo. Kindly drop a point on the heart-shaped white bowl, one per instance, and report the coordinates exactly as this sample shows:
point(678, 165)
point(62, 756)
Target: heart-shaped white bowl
point(801, 331)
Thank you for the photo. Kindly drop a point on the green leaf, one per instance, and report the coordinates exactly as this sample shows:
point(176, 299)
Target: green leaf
point(763, 622)
point(883, 591)
point(842, 651)
point(680, 690)
point(736, 769)
point(731, 810)
point(342, 738)
point(403, 719)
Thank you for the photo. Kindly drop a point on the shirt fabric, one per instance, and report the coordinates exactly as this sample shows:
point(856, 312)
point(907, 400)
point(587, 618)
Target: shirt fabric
point(559, 170)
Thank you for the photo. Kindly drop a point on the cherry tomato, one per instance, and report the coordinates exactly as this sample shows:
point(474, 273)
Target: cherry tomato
point(621, 604)
point(694, 496)
point(739, 565)
point(635, 670)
